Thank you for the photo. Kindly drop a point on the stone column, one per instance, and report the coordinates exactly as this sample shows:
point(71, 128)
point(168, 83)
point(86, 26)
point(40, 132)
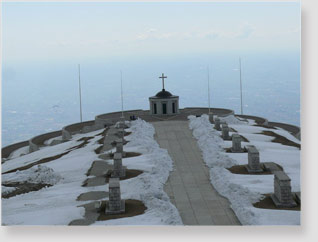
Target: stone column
point(254, 165)
point(115, 204)
point(211, 118)
point(217, 124)
point(225, 132)
point(121, 132)
point(118, 169)
point(120, 147)
point(236, 143)
point(282, 196)
point(121, 124)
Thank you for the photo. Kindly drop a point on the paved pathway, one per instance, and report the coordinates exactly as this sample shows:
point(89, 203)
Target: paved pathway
point(188, 186)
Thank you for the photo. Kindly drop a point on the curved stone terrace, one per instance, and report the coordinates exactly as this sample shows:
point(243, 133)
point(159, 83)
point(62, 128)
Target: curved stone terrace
point(145, 115)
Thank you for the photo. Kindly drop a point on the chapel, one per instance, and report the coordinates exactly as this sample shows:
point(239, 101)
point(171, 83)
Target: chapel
point(164, 103)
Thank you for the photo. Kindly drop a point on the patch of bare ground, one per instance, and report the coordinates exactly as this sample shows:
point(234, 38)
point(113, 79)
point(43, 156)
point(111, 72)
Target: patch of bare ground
point(267, 203)
point(22, 188)
point(114, 142)
point(241, 170)
point(104, 179)
point(81, 145)
point(280, 139)
point(128, 155)
point(44, 160)
point(94, 195)
point(132, 208)
point(98, 149)
point(130, 173)
point(264, 126)
point(51, 158)
point(229, 150)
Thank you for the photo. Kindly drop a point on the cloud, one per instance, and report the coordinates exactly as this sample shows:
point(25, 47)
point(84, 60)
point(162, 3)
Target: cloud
point(245, 31)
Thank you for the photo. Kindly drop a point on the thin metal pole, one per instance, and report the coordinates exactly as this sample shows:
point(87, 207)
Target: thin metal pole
point(209, 88)
point(241, 87)
point(80, 90)
point(122, 99)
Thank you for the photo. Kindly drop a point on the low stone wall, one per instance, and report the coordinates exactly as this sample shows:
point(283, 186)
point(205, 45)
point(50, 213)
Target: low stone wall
point(293, 129)
point(83, 127)
point(7, 150)
point(39, 140)
point(221, 112)
point(258, 120)
point(111, 118)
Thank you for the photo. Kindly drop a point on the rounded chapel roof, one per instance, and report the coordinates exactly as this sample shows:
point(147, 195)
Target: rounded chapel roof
point(163, 94)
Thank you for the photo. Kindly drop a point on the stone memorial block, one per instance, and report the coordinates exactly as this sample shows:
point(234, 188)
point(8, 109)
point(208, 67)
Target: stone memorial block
point(282, 196)
point(236, 143)
point(115, 205)
point(121, 125)
point(119, 143)
point(211, 118)
point(121, 132)
point(225, 132)
point(254, 164)
point(118, 169)
point(217, 124)
point(119, 147)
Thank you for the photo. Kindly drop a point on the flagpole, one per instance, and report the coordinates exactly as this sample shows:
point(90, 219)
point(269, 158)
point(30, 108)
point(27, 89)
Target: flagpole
point(241, 87)
point(122, 99)
point(209, 88)
point(80, 90)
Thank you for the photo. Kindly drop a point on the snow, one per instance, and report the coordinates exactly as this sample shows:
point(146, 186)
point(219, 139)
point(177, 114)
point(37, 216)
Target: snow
point(49, 141)
point(19, 152)
point(57, 205)
point(147, 187)
point(37, 174)
point(231, 119)
point(6, 190)
point(244, 190)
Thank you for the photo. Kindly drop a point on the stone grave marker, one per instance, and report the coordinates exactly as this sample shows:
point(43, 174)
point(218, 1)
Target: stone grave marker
point(282, 196)
point(236, 143)
point(254, 165)
point(217, 124)
point(115, 205)
point(225, 132)
point(118, 169)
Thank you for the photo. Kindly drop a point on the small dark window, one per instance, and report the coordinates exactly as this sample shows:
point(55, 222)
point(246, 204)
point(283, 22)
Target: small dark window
point(173, 107)
point(155, 108)
point(164, 108)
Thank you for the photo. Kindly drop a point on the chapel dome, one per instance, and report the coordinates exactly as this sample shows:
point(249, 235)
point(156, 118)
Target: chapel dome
point(163, 94)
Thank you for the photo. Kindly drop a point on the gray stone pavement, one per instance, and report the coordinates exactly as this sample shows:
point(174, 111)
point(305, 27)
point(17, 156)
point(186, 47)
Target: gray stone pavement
point(189, 186)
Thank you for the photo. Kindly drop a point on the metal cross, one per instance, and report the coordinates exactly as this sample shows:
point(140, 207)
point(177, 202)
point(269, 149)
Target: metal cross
point(163, 80)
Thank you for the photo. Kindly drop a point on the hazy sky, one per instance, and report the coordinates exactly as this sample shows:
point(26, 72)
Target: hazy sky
point(53, 31)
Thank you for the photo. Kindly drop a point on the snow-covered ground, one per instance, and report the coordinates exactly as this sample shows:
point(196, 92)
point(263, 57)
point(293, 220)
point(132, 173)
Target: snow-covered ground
point(57, 205)
point(244, 190)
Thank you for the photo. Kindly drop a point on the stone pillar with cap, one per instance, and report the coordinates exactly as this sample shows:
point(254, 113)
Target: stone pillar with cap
point(120, 147)
point(211, 118)
point(236, 143)
point(118, 169)
point(217, 123)
point(225, 132)
point(282, 196)
point(115, 205)
point(254, 165)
